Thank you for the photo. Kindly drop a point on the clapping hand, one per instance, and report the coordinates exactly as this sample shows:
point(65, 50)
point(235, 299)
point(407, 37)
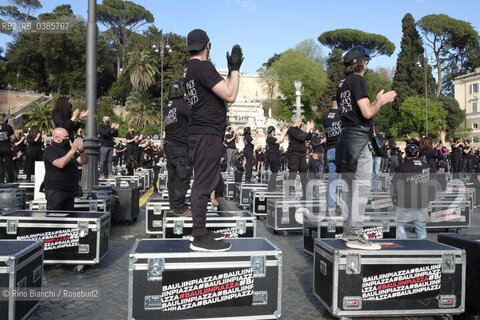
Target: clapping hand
point(84, 114)
point(75, 114)
point(235, 60)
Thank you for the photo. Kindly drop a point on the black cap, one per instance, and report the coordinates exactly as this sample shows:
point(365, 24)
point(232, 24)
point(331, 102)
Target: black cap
point(333, 97)
point(197, 40)
point(354, 55)
point(270, 129)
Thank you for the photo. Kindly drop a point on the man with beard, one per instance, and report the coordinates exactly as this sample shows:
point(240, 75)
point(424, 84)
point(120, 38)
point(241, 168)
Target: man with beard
point(61, 178)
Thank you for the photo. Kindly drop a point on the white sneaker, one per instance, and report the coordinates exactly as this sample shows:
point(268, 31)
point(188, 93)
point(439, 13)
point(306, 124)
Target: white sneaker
point(362, 243)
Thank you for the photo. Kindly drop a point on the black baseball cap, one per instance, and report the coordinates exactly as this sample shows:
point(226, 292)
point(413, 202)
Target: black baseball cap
point(197, 40)
point(356, 54)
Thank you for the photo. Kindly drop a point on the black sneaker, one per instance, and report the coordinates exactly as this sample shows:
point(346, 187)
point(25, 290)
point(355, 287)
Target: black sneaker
point(208, 244)
point(215, 235)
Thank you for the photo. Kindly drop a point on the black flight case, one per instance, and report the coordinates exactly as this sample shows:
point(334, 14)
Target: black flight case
point(405, 277)
point(169, 281)
point(21, 266)
point(70, 237)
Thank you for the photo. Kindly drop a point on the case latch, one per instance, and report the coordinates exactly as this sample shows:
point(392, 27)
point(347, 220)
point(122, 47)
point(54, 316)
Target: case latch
point(42, 206)
point(448, 263)
point(353, 264)
point(260, 298)
point(178, 227)
point(261, 196)
point(157, 210)
point(258, 264)
point(37, 274)
point(153, 303)
point(385, 225)
point(12, 226)
point(82, 229)
point(93, 206)
point(331, 226)
point(155, 269)
point(241, 227)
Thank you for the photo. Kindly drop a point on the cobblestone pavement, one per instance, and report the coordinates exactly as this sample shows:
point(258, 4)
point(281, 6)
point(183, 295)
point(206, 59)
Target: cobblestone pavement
point(111, 276)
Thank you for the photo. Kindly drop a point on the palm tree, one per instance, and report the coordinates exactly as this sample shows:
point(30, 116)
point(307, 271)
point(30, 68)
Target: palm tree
point(142, 111)
point(142, 69)
point(41, 115)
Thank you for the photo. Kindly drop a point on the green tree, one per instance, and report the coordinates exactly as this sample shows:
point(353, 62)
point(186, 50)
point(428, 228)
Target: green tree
point(412, 113)
point(386, 118)
point(345, 39)
point(41, 115)
point(312, 50)
point(142, 111)
point(142, 69)
point(409, 78)
point(20, 9)
point(335, 73)
point(293, 66)
point(122, 18)
point(450, 39)
point(455, 115)
point(121, 88)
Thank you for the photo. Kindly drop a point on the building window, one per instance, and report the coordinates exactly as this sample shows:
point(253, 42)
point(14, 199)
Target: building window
point(474, 88)
point(474, 106)
point(475, 126)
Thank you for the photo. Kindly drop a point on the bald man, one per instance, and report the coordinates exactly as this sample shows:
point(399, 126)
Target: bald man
point(61, 177)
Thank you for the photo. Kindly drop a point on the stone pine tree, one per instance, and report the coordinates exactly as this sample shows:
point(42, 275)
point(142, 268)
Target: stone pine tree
point(334, 75)
point(409, 78)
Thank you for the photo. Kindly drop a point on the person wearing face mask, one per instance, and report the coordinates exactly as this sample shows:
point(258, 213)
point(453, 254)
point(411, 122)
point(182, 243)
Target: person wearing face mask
point(353, 155)
point(107, 132)
point(131, 141)
point(61, 178)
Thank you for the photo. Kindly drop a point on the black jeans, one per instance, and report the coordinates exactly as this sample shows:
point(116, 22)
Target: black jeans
point(205, 152)
point(248, 167)
point(298, 163)
point(179, 173)
point(60, 200)
point(6, 163)
point(272, 182)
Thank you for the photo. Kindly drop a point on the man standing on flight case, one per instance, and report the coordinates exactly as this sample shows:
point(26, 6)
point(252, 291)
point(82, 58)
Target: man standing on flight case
point(207, 93)
point(353, 155)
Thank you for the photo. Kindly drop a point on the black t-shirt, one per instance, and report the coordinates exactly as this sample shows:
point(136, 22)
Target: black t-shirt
point(248, 144)
point(411, 183)
point(231, 144)
point(62, 121)
point(316, 141)
point(296, 140)
point(64, 179)
point(333, 127)
point(273, 148)
point(209, 114)
point(6, 132)
point(177, 117)
point(130, 136)
point(349, 91)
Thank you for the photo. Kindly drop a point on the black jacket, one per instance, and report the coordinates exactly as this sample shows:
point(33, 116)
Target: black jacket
point(106, 135)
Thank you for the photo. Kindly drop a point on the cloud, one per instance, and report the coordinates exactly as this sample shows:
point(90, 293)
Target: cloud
point(245, 5)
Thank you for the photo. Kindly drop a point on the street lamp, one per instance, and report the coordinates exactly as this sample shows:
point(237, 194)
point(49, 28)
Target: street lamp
point(425, 64)
point(162, 55)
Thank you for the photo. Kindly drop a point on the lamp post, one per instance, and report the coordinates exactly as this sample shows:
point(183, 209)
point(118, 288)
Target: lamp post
point(425, 64)
point(298, 96)
point(162, 55)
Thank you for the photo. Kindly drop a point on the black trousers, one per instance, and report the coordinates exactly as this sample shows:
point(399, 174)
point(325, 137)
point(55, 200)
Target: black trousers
point(33, 154)
point(60, 200)
point(179, 174)
point(298, 163)
point(248, 167)
point(272, 182)
point(205, 152)
point(6, 163)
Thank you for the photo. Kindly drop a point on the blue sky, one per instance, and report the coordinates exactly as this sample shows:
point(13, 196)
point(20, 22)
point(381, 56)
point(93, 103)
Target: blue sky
point(266, 27)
